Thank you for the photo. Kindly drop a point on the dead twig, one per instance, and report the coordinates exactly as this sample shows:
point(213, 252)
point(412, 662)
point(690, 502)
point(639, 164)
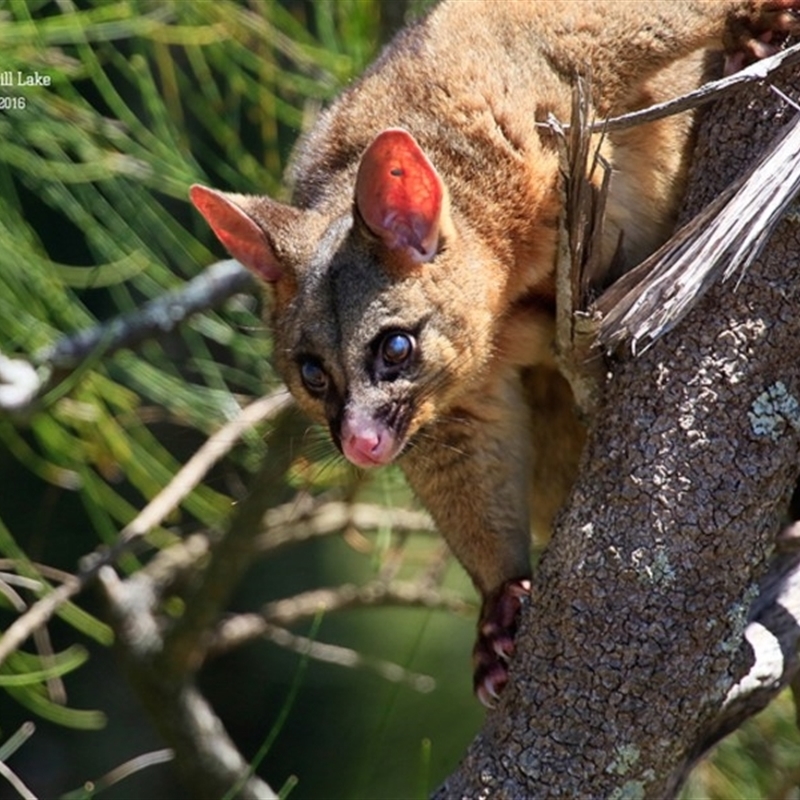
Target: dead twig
point(185, 480)
point(205, 755)
point(253, 626)
point(215, 284)
point(242, 628)
point(289, 524)
point(758, 72)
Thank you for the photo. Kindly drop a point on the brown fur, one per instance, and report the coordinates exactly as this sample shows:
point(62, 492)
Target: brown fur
point(481, 413)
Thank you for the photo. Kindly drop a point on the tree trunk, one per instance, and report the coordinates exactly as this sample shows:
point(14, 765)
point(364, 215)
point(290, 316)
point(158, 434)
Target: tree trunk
point(637, 650)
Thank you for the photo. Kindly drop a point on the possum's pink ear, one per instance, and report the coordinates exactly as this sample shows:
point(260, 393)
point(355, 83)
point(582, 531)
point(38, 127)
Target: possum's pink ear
point(238, 230)
point(400, 195)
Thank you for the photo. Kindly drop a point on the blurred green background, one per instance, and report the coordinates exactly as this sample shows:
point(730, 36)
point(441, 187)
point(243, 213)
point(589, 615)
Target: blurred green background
point(144, 99)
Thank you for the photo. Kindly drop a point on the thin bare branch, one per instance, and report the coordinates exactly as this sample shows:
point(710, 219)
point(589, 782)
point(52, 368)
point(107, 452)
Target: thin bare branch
point(40, 612)
point(185, 480)
point(758, 72)
point(242, 628)
point(195, 469)
point(335, 654)
point(289, 524)
point(214, 285)
point(232, 553)
point(23, 382)
point(374, 593)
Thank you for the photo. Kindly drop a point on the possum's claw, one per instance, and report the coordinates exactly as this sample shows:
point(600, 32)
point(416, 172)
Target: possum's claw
point(750, 40)
point(495, 646)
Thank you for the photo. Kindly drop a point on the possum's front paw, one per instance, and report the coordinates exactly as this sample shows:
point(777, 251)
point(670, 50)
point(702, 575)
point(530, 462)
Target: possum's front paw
point(749, 40)
point(496, 630)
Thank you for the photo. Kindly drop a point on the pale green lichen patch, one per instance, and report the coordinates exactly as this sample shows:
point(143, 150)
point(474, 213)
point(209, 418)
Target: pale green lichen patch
point(632, 790)
point(773, 411)
point(653, 566)
point(737, 616)
point(625, 758)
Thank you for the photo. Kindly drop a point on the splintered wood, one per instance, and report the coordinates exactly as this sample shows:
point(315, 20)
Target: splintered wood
point(718, 244)
point(578, 262)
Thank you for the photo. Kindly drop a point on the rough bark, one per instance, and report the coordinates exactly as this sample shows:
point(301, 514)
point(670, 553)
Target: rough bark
point(637, 650)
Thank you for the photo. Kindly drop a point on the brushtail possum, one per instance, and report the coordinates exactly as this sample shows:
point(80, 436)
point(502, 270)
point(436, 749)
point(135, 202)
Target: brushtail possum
point(412, 277)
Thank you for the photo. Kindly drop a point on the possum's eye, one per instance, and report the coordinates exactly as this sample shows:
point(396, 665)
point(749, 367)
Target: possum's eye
point(393, 354)
point(315, 379)
point(396, 348)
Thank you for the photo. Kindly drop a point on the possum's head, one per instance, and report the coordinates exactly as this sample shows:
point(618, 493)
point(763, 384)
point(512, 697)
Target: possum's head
point(382, 310)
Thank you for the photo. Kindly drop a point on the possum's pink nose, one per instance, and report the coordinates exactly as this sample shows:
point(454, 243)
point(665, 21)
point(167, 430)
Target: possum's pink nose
point(367, 442)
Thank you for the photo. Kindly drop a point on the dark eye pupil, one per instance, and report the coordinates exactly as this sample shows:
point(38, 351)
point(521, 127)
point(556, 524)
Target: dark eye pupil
point(396, 348)
point(313, 376)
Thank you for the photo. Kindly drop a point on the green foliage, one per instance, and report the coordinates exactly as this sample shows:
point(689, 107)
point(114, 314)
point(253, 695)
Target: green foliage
point(758, 760)
point(140, 100)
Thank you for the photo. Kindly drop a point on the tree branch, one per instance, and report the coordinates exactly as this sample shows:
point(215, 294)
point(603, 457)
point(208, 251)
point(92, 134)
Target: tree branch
point(245, 627)
point(163, 654)
point(291, 524)
point(756, 73)
point(163, 314)
point(23, 382)
point(771, 646)
point(206, 758)
point(230, 556)
point(636, 650)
